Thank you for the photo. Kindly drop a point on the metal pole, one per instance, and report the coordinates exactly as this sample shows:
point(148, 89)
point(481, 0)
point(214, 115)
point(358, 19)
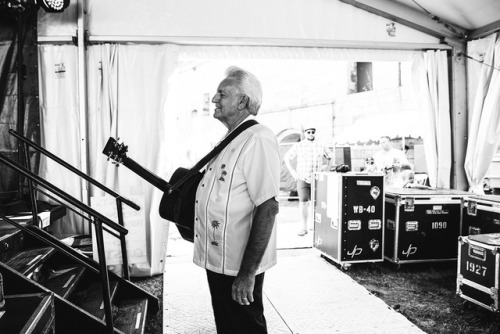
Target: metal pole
point(106, 296)
point(123, 242)
point(34, 207)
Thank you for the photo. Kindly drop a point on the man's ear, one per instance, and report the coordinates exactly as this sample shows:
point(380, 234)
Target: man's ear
point(243, 103)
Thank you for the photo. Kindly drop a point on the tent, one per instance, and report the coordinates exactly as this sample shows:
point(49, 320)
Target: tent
point(106, 68)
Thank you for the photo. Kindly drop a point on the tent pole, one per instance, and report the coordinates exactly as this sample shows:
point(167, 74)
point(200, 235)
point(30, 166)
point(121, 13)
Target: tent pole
point(82, 93)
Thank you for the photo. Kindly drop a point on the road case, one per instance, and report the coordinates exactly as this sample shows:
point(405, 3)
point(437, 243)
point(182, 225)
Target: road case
point(480, 214)
point(421, 225)
point(348, 216)
point(477, 269)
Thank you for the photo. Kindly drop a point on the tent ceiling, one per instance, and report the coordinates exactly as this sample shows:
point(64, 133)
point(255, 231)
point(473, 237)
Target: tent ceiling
point(466, 14)
point(472, 19)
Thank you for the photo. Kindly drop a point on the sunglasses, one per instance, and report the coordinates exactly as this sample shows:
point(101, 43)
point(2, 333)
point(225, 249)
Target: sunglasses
point(310, 132)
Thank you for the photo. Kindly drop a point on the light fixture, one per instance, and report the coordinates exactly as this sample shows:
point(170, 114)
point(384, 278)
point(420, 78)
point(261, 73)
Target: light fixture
point(51, 6)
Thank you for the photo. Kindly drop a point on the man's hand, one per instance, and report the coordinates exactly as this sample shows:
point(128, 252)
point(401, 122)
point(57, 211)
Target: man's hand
point(243, 289)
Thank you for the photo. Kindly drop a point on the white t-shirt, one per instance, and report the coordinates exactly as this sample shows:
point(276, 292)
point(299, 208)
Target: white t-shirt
point(243, 176)
point(389, 158)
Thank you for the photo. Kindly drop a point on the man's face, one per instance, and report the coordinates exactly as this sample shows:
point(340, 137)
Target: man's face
point(226, 101)
point(310, 134)
point(385, 143)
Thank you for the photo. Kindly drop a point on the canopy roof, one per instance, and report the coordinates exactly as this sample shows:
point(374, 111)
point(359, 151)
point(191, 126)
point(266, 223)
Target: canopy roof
point(372, 128)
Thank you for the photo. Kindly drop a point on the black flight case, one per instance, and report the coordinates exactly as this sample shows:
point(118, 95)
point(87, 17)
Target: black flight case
point(348, 217)
point(480, 214)
point(478, 269)
point(421, 225)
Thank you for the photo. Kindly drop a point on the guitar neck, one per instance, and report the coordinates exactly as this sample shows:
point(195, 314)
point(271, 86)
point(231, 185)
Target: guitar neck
point(146, 174)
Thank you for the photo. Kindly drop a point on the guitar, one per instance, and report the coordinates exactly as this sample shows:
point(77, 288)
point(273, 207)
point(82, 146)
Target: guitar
point(177, 203)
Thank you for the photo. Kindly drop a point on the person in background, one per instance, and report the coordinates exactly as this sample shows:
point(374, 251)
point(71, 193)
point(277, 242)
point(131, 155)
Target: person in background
point(235, 210)
point(389, 160)
point(370, 166)
point(310, 156)
point(408, 177)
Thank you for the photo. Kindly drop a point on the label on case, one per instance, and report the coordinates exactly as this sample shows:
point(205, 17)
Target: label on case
point(363, 182)
point(411, 226)
point(409, 204)
point(374, 224)
point(410, 251)
point(354, 225)
point(355, 252)
point(375, 192)
point(374, 245)
point(472, 208)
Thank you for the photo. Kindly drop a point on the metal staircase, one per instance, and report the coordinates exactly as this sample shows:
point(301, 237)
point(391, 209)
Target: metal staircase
point(87, 297)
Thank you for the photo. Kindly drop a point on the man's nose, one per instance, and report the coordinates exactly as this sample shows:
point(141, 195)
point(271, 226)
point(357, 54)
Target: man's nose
point(215, 98)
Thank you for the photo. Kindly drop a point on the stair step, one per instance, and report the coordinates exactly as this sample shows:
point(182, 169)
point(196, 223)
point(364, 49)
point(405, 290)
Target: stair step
point(28, 313)
point(91, 299)
point(28, 260)
point(11, 241)
point(131, 316)
point(63, 280)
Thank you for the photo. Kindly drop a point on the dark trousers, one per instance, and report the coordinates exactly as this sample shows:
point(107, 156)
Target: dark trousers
point(231, 317)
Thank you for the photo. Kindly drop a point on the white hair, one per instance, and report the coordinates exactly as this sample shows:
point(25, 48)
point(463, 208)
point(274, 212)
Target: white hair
point(247, 84)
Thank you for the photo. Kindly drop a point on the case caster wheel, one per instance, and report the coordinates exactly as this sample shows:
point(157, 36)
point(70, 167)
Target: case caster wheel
point(345, 266)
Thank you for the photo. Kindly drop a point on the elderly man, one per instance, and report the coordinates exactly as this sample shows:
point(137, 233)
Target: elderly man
point(236, 205)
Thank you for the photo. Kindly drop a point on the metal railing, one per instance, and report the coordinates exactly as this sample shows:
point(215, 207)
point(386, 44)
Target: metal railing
point(97, 219)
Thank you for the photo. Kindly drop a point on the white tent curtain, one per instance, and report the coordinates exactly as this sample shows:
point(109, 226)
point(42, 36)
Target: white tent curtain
point(128, 88)
point(430, 75)
point(484, 128)
point(59, 127)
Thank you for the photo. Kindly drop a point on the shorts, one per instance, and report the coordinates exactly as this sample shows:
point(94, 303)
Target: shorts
point(304, 191)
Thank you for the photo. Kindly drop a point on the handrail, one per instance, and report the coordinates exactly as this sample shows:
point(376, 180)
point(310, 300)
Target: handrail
point(74, 170)
point(118, 197)
point(57, 244)
point(72, 209)
point(67, 250)
point(64, 195)
point(99, 220)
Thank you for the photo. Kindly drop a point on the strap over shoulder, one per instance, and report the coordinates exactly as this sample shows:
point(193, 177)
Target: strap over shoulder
point(217, 149)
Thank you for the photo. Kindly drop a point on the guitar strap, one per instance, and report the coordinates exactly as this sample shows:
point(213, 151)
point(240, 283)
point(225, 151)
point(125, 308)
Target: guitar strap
point(217, 149)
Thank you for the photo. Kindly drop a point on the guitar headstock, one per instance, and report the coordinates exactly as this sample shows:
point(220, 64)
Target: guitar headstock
point(115, 151)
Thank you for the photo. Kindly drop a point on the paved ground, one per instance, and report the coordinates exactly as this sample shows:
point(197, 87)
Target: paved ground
point(304, 294)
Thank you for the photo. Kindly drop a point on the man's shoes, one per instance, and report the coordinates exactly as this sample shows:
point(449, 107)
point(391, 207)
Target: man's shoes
point(302, 233)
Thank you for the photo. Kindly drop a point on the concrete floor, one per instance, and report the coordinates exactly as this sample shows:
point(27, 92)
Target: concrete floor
point(303, 294)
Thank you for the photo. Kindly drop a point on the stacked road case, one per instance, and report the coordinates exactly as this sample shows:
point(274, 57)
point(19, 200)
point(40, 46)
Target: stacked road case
point(478, 269)
point(421, 225)
point(480, 214)
point(348, 216)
